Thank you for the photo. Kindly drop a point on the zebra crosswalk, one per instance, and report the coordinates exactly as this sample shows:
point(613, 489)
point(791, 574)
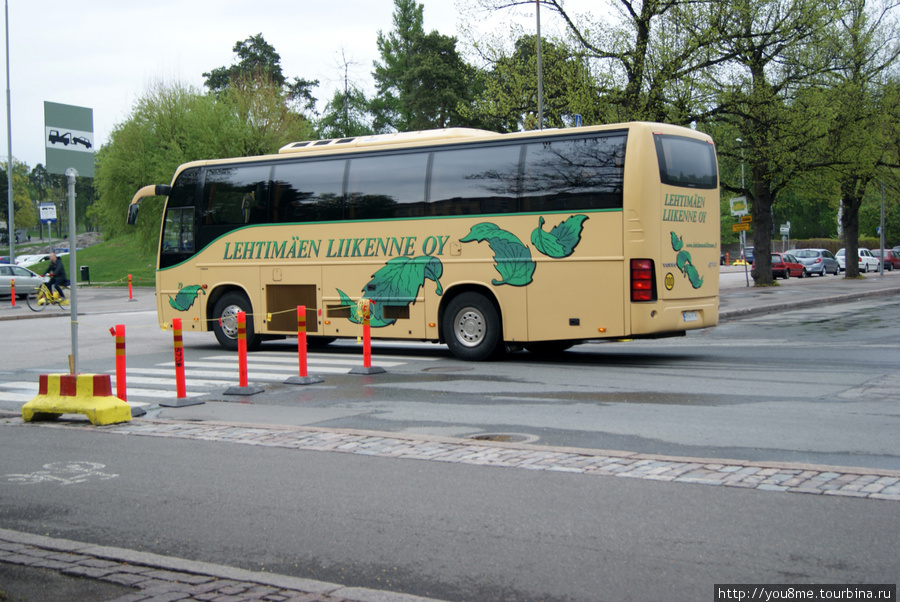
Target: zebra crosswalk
point(148, 386)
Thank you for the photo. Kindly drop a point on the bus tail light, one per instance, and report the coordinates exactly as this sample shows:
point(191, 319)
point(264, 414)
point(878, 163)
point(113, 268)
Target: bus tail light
point(642, 282)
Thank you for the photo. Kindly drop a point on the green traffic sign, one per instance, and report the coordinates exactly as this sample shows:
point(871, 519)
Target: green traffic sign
point(69, 139)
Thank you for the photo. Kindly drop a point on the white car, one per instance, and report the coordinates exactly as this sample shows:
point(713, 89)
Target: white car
point(26, 281)
point(27, 260)
point(867, 261)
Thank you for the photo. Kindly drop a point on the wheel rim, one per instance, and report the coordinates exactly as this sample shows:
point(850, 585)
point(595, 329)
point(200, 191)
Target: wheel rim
point(469, 327)
point(229, 321)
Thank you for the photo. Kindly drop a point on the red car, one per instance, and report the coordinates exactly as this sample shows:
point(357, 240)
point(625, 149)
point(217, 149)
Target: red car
point(890, 258)
point(783, 265)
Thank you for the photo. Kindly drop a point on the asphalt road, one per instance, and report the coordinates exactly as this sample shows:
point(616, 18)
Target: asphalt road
point(443, 530)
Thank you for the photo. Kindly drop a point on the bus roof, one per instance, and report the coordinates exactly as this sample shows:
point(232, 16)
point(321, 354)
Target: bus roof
point(387, 139)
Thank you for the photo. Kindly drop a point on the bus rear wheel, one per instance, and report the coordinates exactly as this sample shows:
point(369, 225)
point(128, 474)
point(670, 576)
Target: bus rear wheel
point(225, 321)
point(471, 327)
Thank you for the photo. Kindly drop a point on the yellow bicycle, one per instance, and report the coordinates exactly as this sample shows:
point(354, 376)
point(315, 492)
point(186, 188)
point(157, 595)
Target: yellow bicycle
point(43, 299)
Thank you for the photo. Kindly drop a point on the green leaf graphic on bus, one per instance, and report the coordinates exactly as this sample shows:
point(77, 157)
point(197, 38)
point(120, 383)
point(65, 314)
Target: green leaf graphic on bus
point(512, 258)
point(561, 240)
point(397, 283)
point(186, 297)
point(683, 262)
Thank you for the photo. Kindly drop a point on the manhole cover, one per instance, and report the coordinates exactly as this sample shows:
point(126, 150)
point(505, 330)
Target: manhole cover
point(505, 437)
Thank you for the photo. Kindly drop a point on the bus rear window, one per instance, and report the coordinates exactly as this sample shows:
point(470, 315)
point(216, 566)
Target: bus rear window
point(686, 162)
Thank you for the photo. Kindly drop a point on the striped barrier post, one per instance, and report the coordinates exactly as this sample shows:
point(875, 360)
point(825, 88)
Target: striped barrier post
point(119, 333)
point(364, 308)
point(242, 348)
point(304, 378)
point(243, 387)
point(181, 398)
point(181, 389)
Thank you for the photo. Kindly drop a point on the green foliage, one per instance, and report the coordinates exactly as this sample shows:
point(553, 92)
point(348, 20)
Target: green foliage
point(422, 82)
point(25, 215)
point(345, 115)
point(172, 125)
point(509, 95)
point(260, 63)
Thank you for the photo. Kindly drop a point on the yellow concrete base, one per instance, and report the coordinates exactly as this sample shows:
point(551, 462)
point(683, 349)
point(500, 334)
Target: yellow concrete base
point(88, 394)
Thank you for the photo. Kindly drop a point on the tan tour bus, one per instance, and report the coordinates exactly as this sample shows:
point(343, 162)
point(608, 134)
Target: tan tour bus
point(478, 240)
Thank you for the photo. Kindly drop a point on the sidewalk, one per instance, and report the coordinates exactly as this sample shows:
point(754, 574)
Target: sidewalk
point(736, 300)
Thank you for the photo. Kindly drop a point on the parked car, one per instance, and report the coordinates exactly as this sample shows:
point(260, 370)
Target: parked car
point(817, 261)
point(27, 282)
point(27, 260)
point(890, 257)
point(867, 261)
point(784, 266)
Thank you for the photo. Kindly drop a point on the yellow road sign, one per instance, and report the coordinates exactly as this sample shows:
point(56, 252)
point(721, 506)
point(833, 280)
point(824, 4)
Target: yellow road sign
point(746, 219)
point(739, 227)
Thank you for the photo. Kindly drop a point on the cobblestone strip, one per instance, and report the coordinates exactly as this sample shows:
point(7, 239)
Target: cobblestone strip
point(156, 578)
point(792, 478)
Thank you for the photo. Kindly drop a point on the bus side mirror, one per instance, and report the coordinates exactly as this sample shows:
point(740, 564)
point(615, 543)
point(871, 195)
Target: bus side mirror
point(132, 214)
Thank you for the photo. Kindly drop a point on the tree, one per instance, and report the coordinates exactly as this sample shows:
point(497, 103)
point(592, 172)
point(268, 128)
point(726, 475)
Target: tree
point(171, 125)
point(509, 95)
point(24, 214)
point(865, 116)
point(345, 115)
point(421, 80)
point(646, 56)
point(767, 96)
point(259, 62)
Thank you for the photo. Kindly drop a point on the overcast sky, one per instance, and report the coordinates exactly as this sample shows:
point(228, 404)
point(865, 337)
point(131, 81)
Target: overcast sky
point(105, 54)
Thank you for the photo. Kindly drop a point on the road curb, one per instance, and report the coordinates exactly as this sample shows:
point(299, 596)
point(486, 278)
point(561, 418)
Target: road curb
point(732, 314)
point(175, 572)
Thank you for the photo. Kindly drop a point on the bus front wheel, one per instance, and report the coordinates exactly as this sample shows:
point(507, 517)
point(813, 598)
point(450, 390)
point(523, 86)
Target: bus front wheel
point(471, 327)
point(225, 321)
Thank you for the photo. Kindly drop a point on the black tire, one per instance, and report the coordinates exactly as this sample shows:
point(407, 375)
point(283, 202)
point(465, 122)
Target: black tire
point(224, 321)
point(471, 327)
point(802, 273)
point(36, 301)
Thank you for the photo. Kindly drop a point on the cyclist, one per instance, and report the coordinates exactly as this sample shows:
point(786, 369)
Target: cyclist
point(57, 273)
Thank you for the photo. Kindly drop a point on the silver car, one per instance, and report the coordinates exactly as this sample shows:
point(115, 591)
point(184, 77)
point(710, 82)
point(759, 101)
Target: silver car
point(817, 261)
point(27, 282)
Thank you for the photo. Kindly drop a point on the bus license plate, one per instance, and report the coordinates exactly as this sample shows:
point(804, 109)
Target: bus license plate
point(689, 316)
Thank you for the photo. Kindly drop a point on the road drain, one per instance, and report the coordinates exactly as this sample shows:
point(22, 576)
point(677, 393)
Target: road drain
point(505, 437)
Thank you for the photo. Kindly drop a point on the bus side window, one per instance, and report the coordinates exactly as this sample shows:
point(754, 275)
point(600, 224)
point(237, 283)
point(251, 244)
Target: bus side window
point(308, 191)
point(236, 195)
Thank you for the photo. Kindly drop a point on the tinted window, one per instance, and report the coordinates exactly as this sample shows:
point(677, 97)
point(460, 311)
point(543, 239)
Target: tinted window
point(378, 187)
point(308, 192)
point(235, 195)
point(475, 180)
point(686, 162)
point(574, 174)
point(179, 225)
